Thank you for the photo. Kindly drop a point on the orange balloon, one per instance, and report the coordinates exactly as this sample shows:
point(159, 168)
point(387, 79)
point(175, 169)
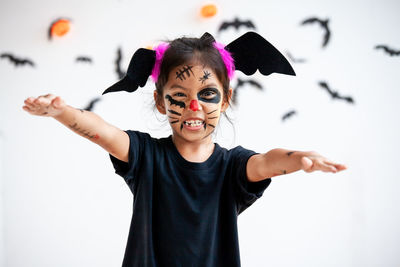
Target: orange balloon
point(60, 27)
point(208, 11)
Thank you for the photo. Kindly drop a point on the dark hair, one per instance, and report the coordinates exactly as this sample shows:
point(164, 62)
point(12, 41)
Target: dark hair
point(196, 50)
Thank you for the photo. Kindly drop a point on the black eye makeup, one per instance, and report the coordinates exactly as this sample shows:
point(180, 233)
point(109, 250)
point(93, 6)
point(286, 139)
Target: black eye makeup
point(209, 95)
point(175, 102)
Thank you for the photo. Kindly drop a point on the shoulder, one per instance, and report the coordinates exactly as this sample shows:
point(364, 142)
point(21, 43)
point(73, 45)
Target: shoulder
point(142, 142)
point(237, 154)
point(240, 151)
point(145, 137)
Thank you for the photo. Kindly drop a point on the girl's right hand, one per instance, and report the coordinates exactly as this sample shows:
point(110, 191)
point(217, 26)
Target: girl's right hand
point(45, 105)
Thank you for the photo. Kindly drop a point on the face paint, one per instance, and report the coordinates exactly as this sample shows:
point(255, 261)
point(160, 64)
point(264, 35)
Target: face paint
point(193, 89)
point(194, 105)
point(209, 95)
point(185, 70)
point(175, 102)
point(174, 112)
point(205, 76)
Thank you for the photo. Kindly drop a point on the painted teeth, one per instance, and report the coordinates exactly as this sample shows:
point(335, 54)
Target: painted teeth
point(194, 123)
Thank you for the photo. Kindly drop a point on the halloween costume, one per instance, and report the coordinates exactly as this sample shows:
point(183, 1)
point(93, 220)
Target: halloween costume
point(185, 213)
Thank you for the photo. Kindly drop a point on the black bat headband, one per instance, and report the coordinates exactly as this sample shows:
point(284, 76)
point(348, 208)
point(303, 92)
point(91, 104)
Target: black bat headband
point(248, 53)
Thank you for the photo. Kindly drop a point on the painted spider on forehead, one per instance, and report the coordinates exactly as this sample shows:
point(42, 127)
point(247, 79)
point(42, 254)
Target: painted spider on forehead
point(205, 77)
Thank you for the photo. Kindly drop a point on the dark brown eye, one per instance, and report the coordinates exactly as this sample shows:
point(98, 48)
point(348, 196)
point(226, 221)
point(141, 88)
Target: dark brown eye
point(208, 94)
point(179, 94)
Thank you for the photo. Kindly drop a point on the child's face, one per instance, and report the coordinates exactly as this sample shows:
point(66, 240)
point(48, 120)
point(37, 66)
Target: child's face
point(193, 100)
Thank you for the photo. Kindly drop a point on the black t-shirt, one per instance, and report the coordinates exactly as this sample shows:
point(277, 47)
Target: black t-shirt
point(185, 213)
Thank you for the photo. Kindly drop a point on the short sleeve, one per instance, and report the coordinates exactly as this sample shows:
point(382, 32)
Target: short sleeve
point(128, 170)
point(246, 192)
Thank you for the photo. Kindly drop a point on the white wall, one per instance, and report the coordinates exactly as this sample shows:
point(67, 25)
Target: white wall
point(62, 204)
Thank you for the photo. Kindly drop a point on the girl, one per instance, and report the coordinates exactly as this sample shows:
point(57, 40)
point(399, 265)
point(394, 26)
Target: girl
point(188, 191)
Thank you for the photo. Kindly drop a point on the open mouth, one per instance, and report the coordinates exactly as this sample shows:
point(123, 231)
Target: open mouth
point(193, 123)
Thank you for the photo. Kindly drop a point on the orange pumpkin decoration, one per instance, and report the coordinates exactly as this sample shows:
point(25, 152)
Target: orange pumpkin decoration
point(59, 28)
point(209, 10)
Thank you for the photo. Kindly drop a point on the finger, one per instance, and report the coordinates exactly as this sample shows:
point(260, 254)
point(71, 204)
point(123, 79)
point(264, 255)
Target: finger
point(30, 99)
point(27, 109)
point(325, 167)
point(339, 167)
point(29, 103)
point(42, 101)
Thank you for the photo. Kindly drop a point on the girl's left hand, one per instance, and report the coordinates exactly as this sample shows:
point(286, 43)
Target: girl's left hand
point(312, 161)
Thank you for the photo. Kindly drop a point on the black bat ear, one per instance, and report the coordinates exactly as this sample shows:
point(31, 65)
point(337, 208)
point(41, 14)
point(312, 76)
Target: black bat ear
point(139, 70)
point(251, 52)
point(207, 37)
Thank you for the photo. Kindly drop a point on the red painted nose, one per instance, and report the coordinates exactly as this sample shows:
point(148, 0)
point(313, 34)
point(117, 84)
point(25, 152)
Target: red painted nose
point(194, 105)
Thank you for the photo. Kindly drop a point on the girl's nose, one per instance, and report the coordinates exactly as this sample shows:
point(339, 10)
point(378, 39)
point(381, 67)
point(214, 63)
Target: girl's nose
point(194, 105)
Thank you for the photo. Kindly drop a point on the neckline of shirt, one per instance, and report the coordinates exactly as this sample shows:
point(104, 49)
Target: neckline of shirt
point(194, 165)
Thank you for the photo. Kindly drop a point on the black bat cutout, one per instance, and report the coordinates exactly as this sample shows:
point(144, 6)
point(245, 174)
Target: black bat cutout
point(335, 94)
point(118, 68)
point(288, 115)
point(139, 70)
point(17, 61)
point(251, 52)
point(293, 59)
point(241, 83)
point(84, 59)
point(323, 24)
point(236, 23)
point(388, 50)
point(91, 104)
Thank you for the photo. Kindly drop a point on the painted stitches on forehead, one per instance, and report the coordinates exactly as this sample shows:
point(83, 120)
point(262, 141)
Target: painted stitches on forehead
point(205, 77)
point(185, 71)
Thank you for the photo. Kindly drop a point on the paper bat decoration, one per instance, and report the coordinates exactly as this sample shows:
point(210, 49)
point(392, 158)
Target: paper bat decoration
point(323, 24)
point(17, 61)
point(84, 59)
point(390, 51)
point(295, 60)
point(335, 94)
point(91, 104)
point(241, 83)
point(250, 52)
point(236, 23)
point(118, 68)
point(288, 115)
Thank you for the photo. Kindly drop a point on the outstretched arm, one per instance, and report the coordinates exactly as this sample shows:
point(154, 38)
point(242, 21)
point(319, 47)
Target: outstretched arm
point(281, 161)
point(85, 123)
